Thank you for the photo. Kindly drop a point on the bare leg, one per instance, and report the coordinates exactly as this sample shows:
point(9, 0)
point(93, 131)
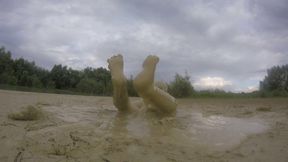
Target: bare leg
point(144, 85)
point(120, 94)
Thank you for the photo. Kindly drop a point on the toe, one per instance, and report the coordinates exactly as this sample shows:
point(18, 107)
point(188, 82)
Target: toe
point(157, 58)
point(120, 56)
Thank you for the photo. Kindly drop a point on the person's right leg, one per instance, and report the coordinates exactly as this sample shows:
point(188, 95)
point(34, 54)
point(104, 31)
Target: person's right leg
point(144, 85)
point(120, 94)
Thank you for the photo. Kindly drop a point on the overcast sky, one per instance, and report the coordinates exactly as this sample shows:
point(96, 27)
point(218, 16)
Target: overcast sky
point(225, 44)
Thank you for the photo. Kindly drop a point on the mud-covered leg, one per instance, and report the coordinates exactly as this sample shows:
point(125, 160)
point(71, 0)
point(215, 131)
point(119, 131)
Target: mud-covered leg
point(144, 85)
point(119, 82)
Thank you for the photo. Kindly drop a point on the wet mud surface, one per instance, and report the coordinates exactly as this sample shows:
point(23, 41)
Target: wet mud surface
point(86, 128)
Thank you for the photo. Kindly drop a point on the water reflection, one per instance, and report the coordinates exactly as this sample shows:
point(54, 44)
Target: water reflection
point(186, 128)
point(213, 132)
point(221, 133)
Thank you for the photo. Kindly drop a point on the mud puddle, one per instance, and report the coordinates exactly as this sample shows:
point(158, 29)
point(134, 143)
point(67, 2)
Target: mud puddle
point(187, 128)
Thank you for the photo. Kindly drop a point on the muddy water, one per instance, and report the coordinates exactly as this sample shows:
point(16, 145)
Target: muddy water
point(142, 132)
point(81, 128)
point(214, 133)
point(223, 133)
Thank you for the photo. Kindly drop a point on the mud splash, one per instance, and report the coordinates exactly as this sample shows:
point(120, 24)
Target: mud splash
point(211, 133)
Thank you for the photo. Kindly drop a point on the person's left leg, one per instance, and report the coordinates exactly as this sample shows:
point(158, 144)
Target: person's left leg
point(119, 82)
point(153, 96)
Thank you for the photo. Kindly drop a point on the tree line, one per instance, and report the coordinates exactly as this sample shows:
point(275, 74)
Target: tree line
point(94, 81)
point(97, 81)
point(20, 72)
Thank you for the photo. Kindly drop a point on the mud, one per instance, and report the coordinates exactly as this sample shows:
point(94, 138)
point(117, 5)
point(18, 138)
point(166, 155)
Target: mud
point(84, 128)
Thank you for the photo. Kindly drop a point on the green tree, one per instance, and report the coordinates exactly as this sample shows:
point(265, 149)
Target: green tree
point(180, 86)
point(36, 81)
point(276, 81)
point(6, 78)
point(25, 73)
point(88, 85)
point(102, 77)
point(60, 76)
point(6, 67)
point(74, 77)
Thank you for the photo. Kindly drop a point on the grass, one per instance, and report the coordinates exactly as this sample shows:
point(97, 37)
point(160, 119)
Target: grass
point(42, 90)
point(223, 94)
point(196, 94)
point(29, 113)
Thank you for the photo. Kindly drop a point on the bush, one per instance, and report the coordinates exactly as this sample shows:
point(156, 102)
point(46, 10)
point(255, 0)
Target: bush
point(181, 86)
point(276, 82)
point(87, 85)
point(273, 93)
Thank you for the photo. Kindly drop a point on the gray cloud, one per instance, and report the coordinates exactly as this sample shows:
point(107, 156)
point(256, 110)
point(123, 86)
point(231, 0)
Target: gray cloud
point(271, 15)
point(232, 40)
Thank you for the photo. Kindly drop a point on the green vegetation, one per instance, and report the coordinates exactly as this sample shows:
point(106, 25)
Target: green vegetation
point(20, 74)
point(130, 88)
point(180, 86)
point(275, 84)
point(29, 113)
point(223, 94)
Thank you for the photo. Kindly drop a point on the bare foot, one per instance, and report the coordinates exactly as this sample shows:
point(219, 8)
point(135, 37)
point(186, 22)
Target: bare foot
point(116, 64)
point(145, 79)
point(151, 61)
point(120, 94)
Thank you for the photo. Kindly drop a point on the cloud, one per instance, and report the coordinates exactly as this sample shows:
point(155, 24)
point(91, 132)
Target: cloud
point(271, 15)
point(248, 89)
point(237, 40)
point(212, 83)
